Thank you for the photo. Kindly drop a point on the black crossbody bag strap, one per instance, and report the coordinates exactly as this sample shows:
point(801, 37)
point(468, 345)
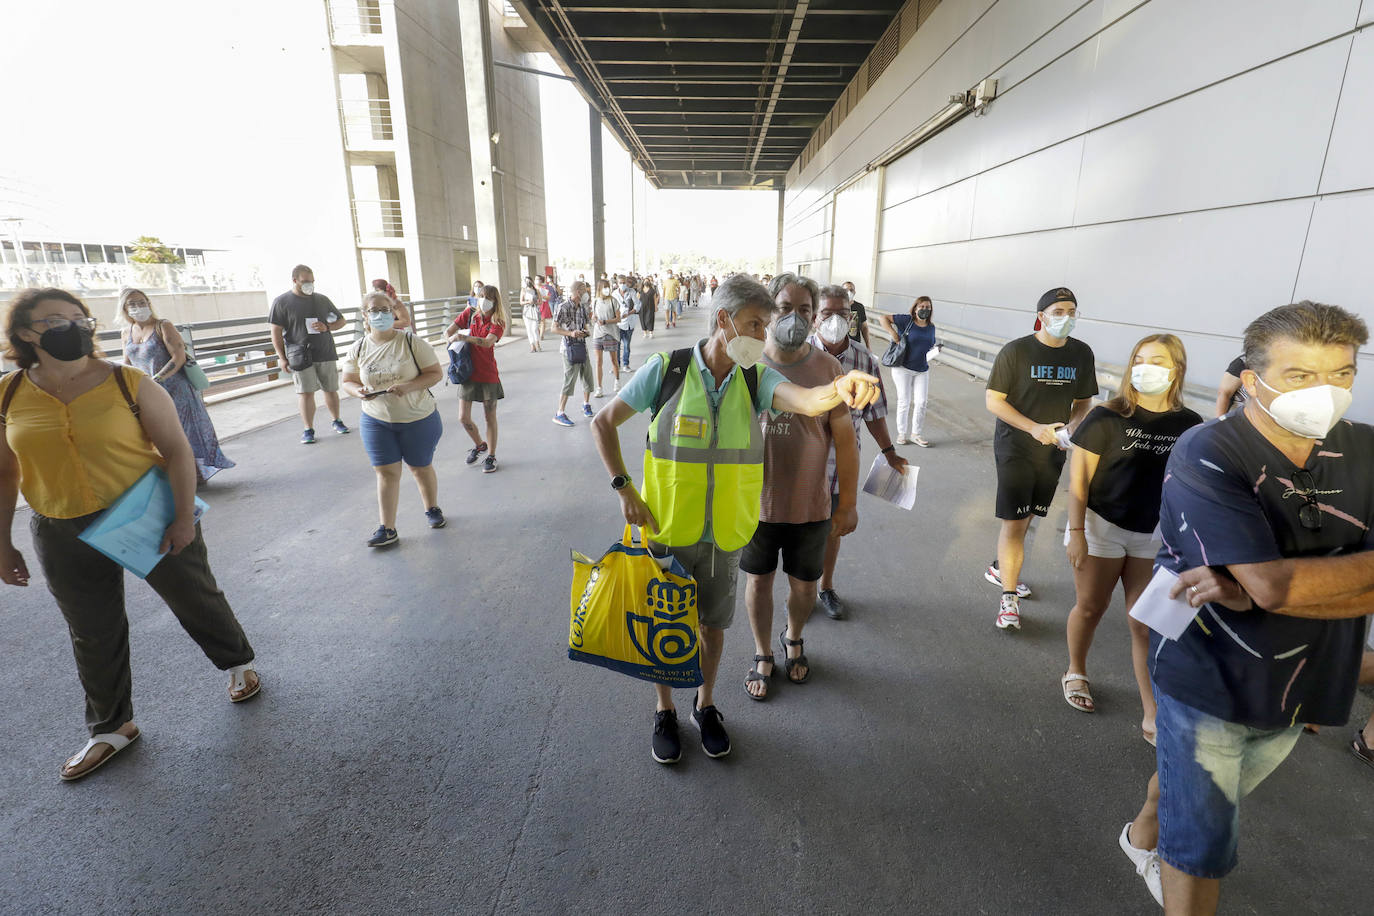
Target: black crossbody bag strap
point(123, 384)
point(10, 391)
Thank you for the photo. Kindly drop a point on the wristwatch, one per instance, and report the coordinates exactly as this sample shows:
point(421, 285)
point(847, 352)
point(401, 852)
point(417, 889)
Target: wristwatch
point(620, 481)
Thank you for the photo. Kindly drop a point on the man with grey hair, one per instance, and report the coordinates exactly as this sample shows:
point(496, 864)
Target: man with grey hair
point(797, 515)
point(832, 334)
point(1266, 516)
point(704, 470)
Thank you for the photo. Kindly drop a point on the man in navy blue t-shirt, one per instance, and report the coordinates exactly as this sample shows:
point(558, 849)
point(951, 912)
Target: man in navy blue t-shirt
point(1266, 516)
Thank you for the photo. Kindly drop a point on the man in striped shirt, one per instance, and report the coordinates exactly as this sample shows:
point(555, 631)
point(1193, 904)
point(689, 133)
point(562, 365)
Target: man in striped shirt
point(832, 334)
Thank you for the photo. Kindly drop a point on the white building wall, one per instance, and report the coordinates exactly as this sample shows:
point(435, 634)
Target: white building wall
point(1180, 165)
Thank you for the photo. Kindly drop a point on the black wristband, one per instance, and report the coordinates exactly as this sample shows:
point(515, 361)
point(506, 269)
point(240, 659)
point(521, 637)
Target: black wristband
point(890, 448)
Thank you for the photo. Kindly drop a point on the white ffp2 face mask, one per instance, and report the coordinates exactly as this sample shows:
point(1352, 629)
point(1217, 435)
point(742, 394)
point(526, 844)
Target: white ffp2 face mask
point(745, 351)
point(834, 329)
point(308, 289)
point(1307, 412)
point(1148, 378)
point(140, 313)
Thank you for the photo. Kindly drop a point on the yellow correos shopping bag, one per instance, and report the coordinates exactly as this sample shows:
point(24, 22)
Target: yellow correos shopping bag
point(635, 614)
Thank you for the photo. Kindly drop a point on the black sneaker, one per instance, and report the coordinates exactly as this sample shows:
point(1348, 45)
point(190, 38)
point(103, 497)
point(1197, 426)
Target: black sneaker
point(489, 466)
point(383, 536)
point(475, 453)
point(435, 516)
point(714, 741)
point(667, 745)
point(831, 602)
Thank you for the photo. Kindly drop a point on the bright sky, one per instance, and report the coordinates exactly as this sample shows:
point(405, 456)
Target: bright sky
point(715, 224)
point(165, 117)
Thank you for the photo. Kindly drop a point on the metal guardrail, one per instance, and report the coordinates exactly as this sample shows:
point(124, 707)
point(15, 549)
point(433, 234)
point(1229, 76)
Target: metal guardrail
point(365, 121)
point(239, 350)
point(377, 219)
point(352, 20)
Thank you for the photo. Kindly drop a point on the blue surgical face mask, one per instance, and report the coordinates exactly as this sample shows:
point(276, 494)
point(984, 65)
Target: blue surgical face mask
point(381, 321)
point(1060, 326)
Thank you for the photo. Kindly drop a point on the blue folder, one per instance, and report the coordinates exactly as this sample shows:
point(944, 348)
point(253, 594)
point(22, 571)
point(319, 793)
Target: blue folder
point(130, 531)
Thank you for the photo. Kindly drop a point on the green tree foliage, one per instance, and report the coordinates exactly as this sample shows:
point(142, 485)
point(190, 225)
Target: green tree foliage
point(148, 249)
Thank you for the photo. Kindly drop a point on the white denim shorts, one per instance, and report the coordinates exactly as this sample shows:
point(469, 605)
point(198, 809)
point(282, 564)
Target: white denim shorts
point(1109, 542)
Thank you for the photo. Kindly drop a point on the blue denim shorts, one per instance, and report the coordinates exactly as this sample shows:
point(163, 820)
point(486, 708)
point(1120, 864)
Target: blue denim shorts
point(1206, 766)
point(413, 443)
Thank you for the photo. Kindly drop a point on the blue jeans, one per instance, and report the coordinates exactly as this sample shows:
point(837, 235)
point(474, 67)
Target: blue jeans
point(1206, 766)
point(625, 335)
point(413, 443)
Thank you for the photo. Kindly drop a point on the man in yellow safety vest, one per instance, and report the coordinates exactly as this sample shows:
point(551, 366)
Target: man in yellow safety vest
point(703, 469)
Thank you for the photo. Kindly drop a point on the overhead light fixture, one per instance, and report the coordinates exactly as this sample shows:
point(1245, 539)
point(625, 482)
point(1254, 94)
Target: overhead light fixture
point(960, 104)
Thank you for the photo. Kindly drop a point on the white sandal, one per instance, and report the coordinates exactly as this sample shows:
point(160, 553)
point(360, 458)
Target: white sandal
point(1081, 693)
point(115, 740)
point(238, 687)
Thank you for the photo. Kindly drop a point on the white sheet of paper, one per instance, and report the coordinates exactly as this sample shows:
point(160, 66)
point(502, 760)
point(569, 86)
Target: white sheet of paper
point(313, 326)
point(932, 353)
point(1168, 617)
point(1061, 435)
point(887, 484)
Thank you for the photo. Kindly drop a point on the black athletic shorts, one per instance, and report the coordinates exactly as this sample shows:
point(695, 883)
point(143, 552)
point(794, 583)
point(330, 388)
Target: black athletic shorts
point(802, 547)
point(1027, 479)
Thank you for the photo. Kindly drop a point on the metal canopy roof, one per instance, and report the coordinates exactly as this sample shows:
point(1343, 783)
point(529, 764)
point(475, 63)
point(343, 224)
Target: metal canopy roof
point(717, 94)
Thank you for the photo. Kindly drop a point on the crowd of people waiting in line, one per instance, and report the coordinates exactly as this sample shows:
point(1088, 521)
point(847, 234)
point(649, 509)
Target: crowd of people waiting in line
point(752, 462)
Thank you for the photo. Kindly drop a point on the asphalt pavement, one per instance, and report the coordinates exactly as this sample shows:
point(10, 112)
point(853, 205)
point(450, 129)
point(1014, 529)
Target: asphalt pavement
point(422, 743)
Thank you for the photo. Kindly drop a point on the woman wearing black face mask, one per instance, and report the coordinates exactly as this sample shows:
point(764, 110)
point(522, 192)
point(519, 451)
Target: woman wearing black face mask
point(70, 415)
point(912, 377)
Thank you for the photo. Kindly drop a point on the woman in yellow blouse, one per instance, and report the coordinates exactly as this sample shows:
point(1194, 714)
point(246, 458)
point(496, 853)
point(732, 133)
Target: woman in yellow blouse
point(78, 432)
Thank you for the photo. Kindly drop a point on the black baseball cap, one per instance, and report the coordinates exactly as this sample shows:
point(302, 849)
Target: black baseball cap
point(1058, 294)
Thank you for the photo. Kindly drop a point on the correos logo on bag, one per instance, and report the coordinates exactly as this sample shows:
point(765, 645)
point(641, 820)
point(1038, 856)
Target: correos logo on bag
point(580, 615)
point(661, 637)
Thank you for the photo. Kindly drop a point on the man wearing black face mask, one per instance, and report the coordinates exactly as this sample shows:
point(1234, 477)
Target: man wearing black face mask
point(1266, 517)
point(796, 518)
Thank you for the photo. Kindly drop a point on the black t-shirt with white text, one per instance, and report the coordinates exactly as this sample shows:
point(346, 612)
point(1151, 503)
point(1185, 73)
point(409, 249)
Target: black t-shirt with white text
point(1041, 383)
point(1132, 454)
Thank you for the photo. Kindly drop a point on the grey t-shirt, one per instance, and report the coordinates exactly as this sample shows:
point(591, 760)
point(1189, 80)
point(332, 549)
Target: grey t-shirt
point(290, 312)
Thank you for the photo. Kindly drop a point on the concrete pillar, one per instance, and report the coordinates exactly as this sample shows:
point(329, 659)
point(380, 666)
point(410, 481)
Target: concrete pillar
point(777, 261)
point(598, 198)
point(479, 84)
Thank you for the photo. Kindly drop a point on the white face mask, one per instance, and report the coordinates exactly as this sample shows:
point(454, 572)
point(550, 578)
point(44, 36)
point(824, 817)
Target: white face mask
point(307, 289)
point(1148, 378)
point(1307, 412)
point(834, 329)
point(1059, 326)
point(745, 351)
point(140, 313)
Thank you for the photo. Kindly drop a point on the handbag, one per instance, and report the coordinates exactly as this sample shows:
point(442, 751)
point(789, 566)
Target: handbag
point(896, 352)
point(190, 368)
point(635, 614)
point(577, 350)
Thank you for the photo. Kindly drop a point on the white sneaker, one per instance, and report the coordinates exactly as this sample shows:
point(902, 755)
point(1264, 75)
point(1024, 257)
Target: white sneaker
point(921, 442)
point(994, 575)
point(900, 440)
point(616, 388)
point(598, 393)
point(1146, 862)
point(1009, 612)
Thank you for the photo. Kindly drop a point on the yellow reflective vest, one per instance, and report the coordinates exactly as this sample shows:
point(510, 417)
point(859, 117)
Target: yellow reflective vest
point(704, 463)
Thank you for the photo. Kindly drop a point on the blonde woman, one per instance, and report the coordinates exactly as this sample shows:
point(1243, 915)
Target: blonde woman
point(1116, 477)
point(153, 345)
